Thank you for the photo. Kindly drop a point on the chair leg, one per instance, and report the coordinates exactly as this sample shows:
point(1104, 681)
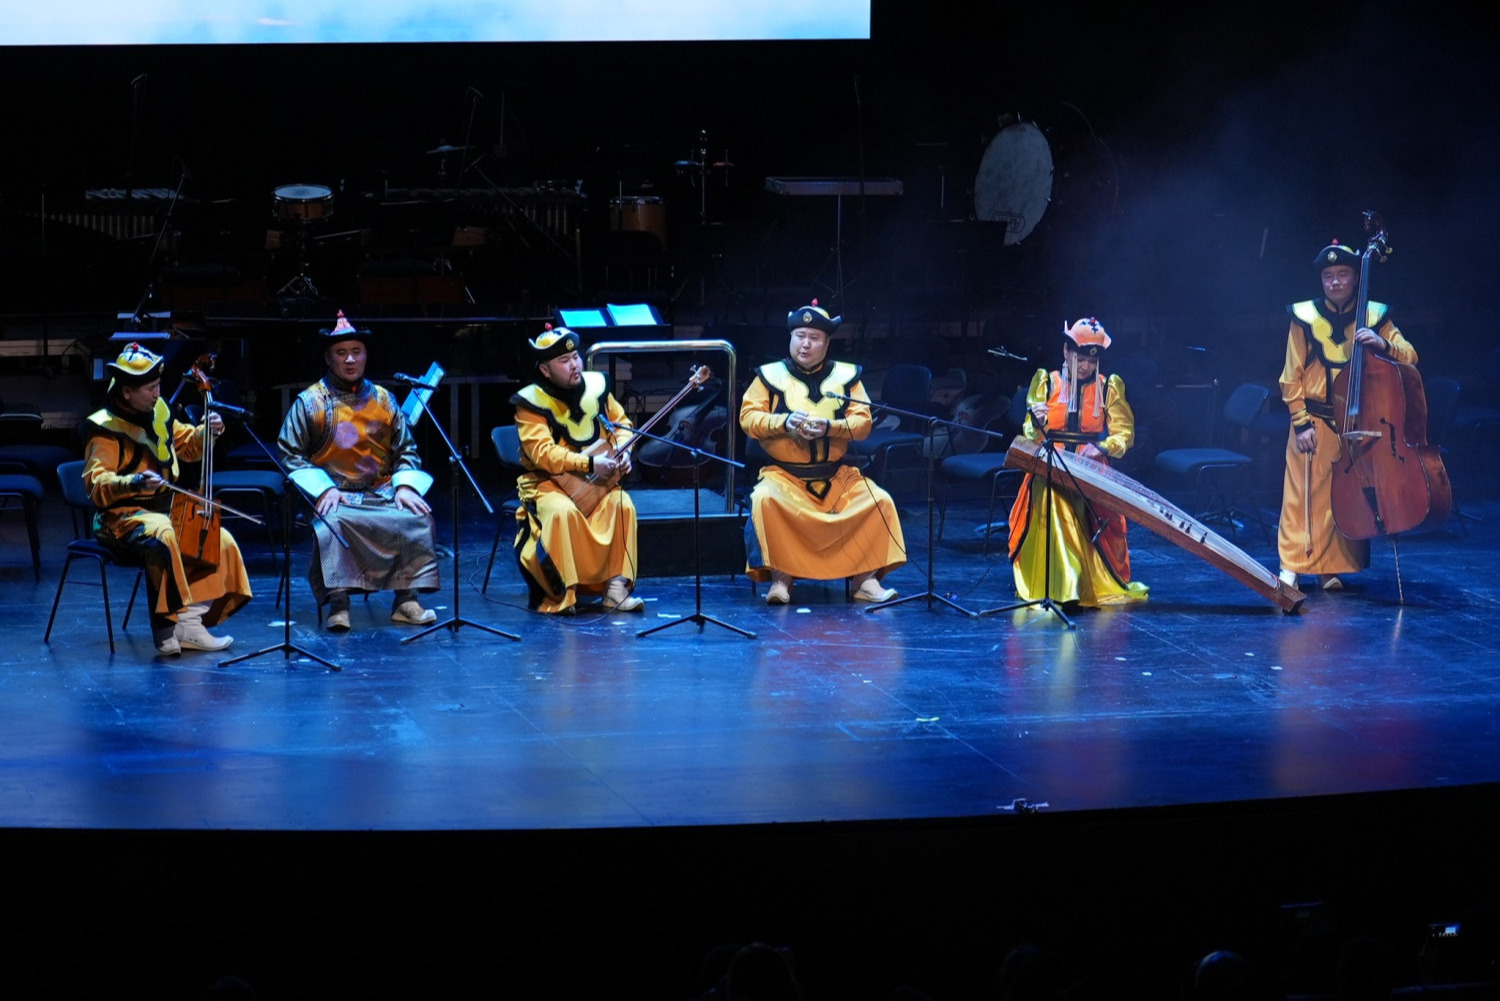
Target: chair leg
point(133, 590)
point(36, 546)
point(989, 521)
point(109, 625)
point(57, 599)
point(943, 511)
point(494, 548)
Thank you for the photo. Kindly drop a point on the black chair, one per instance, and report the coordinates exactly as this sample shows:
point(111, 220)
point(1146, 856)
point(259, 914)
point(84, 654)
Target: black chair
point(1442, 410)
point(1214, 468)
point(70, 479)
point(507, 442)
point(986, 464)
point(262, 485)
point(28, 491)
point(20, 427)
point(910, 388)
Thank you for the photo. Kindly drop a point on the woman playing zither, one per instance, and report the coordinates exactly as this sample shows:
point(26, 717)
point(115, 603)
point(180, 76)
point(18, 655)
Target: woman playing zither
point(1079, 411)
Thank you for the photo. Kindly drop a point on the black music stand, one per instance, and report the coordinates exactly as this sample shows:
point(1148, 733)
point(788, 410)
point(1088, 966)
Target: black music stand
point(286, 646)
point(456, 462)
point(698, 455)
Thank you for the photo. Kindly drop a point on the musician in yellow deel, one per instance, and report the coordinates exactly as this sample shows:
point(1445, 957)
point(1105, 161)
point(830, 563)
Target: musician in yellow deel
point(131, 451)
point(1080, 412)
point(812, 516)
point(573, 432)
point(1318, 346)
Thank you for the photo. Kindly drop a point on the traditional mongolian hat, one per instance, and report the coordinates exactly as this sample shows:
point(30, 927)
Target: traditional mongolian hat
point(554, 342)
point(136, 366)
point(1335, 254)
point(343, 330)
point(1087, 337)
point(813, 316)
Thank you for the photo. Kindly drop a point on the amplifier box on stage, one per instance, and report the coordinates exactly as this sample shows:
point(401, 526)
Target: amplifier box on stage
point(666, 544)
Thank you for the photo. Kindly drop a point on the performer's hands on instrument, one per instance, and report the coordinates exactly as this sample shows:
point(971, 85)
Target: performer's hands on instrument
point(609, 468)
point(148, 482)
point(332, 498)
point(1039, 415)
point(1370, 339)
point(408, 499)
point(215, 424)
point(1091, 451)
point(806, 426)
point(1307, 440)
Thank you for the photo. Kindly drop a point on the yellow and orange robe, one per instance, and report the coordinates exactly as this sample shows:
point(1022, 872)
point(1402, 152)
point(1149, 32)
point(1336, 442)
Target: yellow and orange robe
point(811, 516)
point(1317, 348)
point(119, 444)
point(1088, 571)
point(356, 438)
point(559, 549)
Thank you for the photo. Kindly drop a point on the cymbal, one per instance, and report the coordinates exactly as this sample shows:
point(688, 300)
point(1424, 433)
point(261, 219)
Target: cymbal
point(445, 148)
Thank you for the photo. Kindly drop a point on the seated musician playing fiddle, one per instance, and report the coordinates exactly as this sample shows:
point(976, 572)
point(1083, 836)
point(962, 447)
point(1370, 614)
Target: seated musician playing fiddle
point(1318, 346)
point(1080, 412)
point(565, 445)
point(812, 516)
point(348, 448)
point(131, 451)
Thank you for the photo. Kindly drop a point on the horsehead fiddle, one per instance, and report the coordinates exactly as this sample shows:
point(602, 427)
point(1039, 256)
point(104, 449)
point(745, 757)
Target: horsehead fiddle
point(196, 515)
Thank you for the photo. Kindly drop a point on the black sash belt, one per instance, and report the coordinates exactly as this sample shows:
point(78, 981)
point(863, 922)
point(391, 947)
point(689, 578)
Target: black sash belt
point(811, 470)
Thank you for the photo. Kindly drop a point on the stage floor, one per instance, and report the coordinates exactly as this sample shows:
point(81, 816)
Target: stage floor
point(1207, 693)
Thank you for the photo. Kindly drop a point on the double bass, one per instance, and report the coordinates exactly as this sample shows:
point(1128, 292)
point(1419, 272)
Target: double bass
point(1387, 478)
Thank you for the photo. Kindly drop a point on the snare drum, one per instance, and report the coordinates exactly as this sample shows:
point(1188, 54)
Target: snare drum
point(303, 202)
point(641, 213)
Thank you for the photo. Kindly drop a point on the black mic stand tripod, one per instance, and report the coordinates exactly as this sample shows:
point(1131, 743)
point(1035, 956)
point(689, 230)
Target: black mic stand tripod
point(1045, 602)
point(698, 455)
point(456, 462)
point(286, 646)
point(933, 423)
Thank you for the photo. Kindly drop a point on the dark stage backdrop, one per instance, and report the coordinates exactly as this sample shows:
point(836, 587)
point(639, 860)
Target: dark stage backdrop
point(1200, 160)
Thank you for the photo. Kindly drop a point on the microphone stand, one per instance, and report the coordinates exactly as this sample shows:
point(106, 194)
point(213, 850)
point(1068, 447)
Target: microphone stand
point(455, 462)
point(1045, 602)
point(286, 646)
point(933, 423)
point(698, 455)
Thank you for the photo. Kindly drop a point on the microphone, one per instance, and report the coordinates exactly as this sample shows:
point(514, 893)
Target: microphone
point(1000, 352)
point(230, 410)
point(413, 381)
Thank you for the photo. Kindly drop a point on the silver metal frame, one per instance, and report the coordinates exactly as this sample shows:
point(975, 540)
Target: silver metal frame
point(664, 347)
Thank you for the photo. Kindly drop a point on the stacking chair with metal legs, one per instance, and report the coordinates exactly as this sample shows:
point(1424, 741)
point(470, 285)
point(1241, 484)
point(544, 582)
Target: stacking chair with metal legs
point(70, 478)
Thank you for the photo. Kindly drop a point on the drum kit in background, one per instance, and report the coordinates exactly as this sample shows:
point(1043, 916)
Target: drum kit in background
point(1013, 187)
point(302, 208)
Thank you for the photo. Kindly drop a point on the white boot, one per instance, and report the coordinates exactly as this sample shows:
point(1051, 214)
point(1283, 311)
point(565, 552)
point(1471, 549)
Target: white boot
point(192, 635)
point(617, 597)
point(780, 591)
